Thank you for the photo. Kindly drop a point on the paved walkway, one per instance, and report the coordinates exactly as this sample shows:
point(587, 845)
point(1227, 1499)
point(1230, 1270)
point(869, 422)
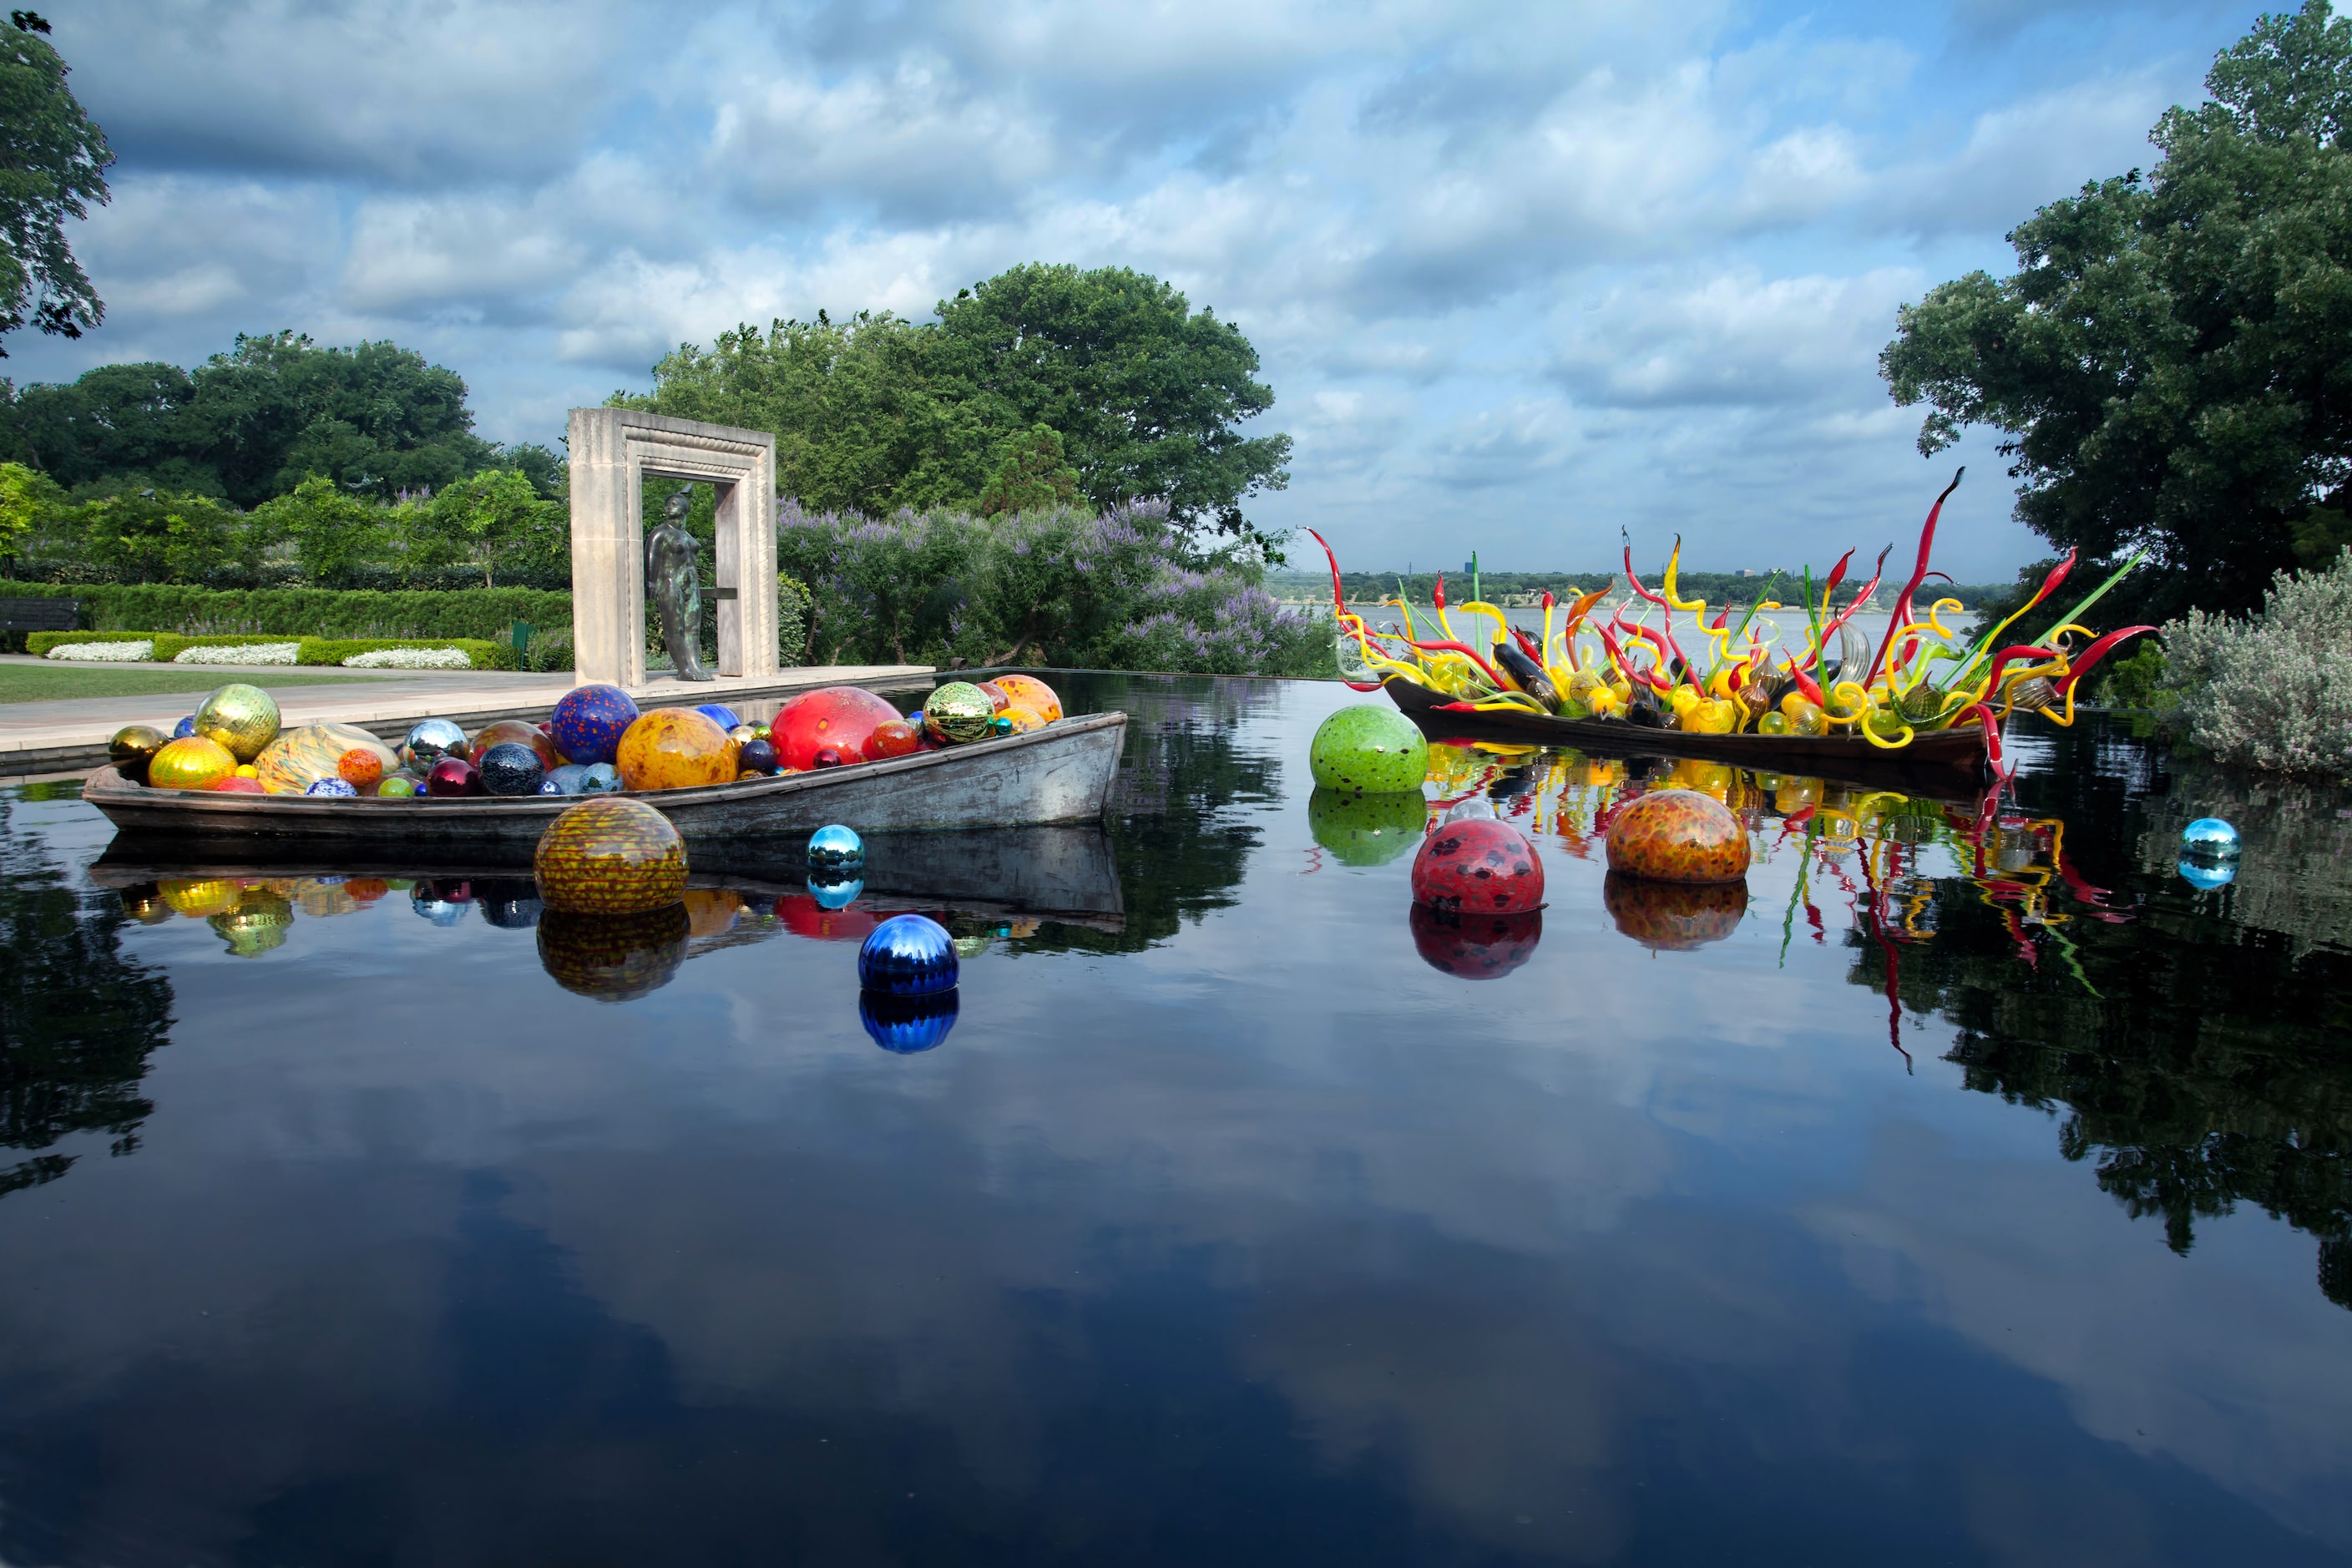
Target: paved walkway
point(67, 733)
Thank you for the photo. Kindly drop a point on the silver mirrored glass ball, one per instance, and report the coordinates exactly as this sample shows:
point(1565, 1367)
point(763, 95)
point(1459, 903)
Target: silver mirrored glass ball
point(431, 741)
point(835, 849)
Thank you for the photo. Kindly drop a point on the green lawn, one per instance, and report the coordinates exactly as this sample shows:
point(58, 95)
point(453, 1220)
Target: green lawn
point(44, 683)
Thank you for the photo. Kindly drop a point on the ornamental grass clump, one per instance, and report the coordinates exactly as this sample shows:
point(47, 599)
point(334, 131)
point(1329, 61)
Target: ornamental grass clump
point(2274, 690)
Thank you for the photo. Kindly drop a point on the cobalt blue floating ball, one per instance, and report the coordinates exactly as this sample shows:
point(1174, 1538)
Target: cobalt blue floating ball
point(548, 786)
point(836, 893)
point(331, 786)
point(588, 723)
point(836, 849)
point(758, 756)
point(2206, 875)
point(907, 955)
point(2209, 836)
point(719, 714)
point(906, 1024)
point(511, 768)
point(185, 727)
point(511, 903)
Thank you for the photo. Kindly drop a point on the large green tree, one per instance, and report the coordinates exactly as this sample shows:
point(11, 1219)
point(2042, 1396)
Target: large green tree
point(2168, 362)
point(52, 166)
point(375, 419)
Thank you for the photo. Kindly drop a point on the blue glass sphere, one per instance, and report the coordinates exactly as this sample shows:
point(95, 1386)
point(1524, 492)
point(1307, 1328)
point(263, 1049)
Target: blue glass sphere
point(2206, 875)
point(587, 724)
point(566, 779)
point(548, 786)
point(834, 847)
point(430, 742)
point(907, 955)
point(331, 786)
point(600, 778)
point(185, 727)
point(510, 768)
point(836, 893)
point(719, 714)
point(2209, 836)
point(906, 1024)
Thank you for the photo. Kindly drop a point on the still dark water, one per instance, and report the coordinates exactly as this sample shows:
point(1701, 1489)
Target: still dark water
point(1223, 1226)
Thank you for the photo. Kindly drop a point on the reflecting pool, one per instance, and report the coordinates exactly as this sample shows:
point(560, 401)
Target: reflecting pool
point(1971, 1186)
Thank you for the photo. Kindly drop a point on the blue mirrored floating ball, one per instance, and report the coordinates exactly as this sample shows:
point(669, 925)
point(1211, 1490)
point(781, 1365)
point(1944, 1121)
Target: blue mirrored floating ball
point(835, 892)
point(907, 955)
point(185, 727)
point(331, 786)
point(510, 768)
point(429, 742)
point(566, 779)
point(719, 714)
point(2209, 836)
point(550, 786)
point(834, 847)
point(906, 1024)
point(2206, 875)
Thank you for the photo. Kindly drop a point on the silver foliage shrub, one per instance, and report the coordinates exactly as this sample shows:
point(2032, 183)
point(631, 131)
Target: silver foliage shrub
point(2273, 690)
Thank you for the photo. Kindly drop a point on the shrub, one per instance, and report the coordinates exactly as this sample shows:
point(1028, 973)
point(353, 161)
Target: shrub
point(480, 653)
point(111, 652)
point(485, 613)
point(2274, 690)
point(239, 653)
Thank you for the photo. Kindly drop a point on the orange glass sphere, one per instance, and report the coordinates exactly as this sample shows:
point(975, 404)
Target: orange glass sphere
point(522, 734)
point(1679, 835)
point(193, 761)
point(610, 854)
point(1028, 692)
point(676, 748)
point(893, 738)
point(997, 696)
point(842, 716)
point(360, 769)
point(1025, 719)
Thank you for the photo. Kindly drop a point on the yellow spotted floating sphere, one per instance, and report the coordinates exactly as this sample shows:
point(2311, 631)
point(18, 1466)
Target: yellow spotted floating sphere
point(1028, 692)
point(676, 748)
point(192, 762)
point(242, 718)
point(610, 854)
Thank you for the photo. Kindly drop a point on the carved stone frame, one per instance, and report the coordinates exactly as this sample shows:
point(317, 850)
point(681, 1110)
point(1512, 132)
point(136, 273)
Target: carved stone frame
point(612, 452)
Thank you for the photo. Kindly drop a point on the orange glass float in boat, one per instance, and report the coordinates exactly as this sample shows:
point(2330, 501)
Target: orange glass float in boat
point(1028, 692)
point(676, 748)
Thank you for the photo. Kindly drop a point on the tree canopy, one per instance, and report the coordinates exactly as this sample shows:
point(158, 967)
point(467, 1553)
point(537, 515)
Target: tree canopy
point(2168, 362)
point(1144, 394)
point(52, 166)
point(375, 419)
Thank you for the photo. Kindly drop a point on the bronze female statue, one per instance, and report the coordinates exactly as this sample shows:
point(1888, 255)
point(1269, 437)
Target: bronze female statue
point(675, 584)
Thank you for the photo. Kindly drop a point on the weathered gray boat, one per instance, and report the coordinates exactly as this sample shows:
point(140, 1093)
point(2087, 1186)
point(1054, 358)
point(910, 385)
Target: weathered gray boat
point(1062, 772)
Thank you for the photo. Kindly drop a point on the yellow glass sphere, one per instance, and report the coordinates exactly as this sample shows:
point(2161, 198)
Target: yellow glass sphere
point(1028, 692)
point(676, 748)
point(1711, 716)
point(240, 717)
point(192, 762)
point(1025, 719)
point(610, 854)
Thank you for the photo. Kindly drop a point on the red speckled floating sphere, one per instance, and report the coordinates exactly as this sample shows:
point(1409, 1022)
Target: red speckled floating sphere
point(1474, 866)
point(522, 734)
point(893, 738)
point(1679, 835)
point(842, 716)
point(676, 748)
point(237, 783)
point(1475, 946)
point(610, 854)
point(1673, 917)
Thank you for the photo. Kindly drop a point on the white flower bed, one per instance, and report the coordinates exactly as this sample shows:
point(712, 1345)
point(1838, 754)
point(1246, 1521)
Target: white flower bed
point(103, 652)
point(410, 659)
point(241, 653)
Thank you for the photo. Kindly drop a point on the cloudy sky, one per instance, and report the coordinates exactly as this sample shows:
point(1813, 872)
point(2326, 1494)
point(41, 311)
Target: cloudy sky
point(1521, 275)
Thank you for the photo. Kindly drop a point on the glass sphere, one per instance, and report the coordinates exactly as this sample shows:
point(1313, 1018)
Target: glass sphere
point(242, 718)
point(193, 761)
point(398, 786)
point(602, 778)
point(511, 768)
point(907, 955)
point(842, 718)
point(959, 712)
point(340, 787)
point(836, 849)
point(610, 856)
point(1028, 692)
point(134, 744)
point(359, 768)
point(2211, 837)
point(588, 723)
point(1366, 748)
point(719, 714)
point(431, 741)
point(452, 777)
point(515, 731)
point(676, 748)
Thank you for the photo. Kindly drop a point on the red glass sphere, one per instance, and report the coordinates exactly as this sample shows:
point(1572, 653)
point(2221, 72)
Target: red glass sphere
point(842, 716)
point(1477, 866)
point(893, 738)
point(453, 776)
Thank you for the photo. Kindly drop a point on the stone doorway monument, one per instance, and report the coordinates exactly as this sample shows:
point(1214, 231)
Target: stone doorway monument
point(614, 452)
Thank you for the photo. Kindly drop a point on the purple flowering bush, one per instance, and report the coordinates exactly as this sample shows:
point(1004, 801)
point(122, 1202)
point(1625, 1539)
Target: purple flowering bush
point(1057, 585)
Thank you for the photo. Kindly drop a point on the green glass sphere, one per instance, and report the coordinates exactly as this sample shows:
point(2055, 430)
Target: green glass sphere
point(1368, 749)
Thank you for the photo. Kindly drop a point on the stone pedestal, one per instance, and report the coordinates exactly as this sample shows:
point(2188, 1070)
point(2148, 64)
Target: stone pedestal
point(614, 451)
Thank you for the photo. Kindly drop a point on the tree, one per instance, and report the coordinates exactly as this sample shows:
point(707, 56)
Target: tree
point(1147, 395)
point(493, 519)
point(2167, 360)
point(53, 164)
point(1030, 473)
point(334, 534)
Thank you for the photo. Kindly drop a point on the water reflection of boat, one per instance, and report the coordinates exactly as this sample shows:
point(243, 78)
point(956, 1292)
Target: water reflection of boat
point(1062, 772)
point(1948, 765)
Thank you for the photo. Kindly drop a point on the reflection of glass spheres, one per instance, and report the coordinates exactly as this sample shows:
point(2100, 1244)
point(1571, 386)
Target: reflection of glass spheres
point(1365, 829)
point(907, 955)
point(907, 1024)
point(2210, 838)
point(242, 718)
point(511, 903)
point(1368, 750)
point(258, 922)
point(2205, 873)
point(444, 903)
point(610, 854)
point(1475, 946)
point(1673, 917)
point(832, 892)
point(613, 957)
point(429, 742)
point(834, 851)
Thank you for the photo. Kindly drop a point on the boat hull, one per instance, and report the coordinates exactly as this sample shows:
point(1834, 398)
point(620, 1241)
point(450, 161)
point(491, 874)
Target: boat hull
point(1062, 772)
point(1951, 764)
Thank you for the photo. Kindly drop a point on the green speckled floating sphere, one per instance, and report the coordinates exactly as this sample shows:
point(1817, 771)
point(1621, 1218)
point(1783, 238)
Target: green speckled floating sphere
point(1366, 829)
point(1368, 748)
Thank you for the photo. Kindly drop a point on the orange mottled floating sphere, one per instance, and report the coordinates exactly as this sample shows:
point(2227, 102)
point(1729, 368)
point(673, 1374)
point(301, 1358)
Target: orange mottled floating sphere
point(193, 761)
point(676, 748)
point(360, 769)
point(842, 716)
point(610, 854)
point(1679, 835)
point(1673, 917)
point(1028, 692)
point(893, 738)
point(1025, 719)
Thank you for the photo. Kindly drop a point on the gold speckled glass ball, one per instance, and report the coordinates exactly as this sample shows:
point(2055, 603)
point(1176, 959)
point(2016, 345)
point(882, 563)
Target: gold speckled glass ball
point(192, 762)
point(676, 748)
point(135, 743)
point(610, 854)
point(242, 718)
point(959, 713)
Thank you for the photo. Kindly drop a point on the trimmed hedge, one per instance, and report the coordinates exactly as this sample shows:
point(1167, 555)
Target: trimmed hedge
point(480, 652)
point(487, 614)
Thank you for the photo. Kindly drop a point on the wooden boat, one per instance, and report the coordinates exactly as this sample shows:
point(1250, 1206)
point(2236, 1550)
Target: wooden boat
point(1062, 772)
point(1944, 763)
